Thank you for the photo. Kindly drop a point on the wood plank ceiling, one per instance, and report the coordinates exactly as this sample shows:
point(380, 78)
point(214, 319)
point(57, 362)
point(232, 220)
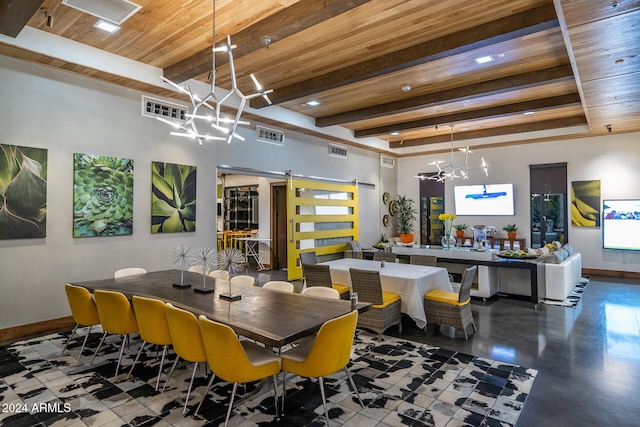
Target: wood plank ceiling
point(556, 65)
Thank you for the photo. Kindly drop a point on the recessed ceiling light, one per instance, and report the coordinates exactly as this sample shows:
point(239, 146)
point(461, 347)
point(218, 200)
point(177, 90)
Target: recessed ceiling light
point(394, 133)
point(312, 103)
point(528, 113)
point(484, 59)
point(106, 26)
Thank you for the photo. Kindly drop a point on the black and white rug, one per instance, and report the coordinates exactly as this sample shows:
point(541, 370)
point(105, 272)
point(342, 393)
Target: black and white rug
point(401, 383)
point(573, 298)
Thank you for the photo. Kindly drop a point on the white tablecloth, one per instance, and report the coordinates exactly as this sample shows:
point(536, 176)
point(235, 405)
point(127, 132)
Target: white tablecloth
point(409, 281)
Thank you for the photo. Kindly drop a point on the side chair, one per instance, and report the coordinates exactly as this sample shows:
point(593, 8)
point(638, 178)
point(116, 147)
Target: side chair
point(83, 311)
point(319, 275)
point(131, 271)
point(452, 308)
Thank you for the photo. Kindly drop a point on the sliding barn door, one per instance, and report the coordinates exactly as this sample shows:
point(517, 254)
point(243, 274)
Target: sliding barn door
point(322, 217)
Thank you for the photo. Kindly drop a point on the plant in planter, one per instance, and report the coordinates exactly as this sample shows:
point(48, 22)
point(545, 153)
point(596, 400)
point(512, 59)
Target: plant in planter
point(382, 242)
point(460, 229)
point(405, 216)
point(511, 230)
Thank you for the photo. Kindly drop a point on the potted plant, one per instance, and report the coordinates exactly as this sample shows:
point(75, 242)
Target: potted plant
point(382, 242)
point(460, 229)
point(405, 216)
point(511, 230)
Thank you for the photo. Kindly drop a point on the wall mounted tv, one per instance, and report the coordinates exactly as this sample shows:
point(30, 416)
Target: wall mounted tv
point(485, 199)
point(621, 224)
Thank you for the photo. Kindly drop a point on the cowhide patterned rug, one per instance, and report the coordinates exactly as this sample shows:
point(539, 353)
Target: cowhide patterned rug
point(402, 383)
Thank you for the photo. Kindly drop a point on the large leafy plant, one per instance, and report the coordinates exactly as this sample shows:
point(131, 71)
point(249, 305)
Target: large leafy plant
point(23, 192)
point(103, 196)
point(406, 215)
point(173, 198)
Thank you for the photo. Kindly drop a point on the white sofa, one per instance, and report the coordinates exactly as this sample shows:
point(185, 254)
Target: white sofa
point(560, 279)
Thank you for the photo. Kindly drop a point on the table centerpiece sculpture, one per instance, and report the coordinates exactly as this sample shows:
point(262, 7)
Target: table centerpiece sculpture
point(230, 260)
point(204, 258)
point(180, 255)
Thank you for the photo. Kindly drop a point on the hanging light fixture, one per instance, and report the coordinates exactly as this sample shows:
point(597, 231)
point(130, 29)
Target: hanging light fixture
point(217, 127)
point(449, 170)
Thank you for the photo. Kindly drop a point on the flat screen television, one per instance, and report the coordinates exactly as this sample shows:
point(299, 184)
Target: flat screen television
point(621, 224)
point(485, 199)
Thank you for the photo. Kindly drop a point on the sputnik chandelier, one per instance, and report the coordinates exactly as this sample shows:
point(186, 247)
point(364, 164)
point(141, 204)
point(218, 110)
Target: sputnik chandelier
point(217, 127)
point(449, 171)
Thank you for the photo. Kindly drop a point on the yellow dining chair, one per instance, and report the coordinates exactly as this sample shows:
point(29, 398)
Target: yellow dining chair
point(385, 310)
point(243, 280)
point(278, 285)
point(452, 308)
point(428, 260)
point(83, 311)
point(320, 275)
point(154, 329)
point(308, 258)
point(236, 361)
point(321, 291)
point(327, 354)
point(116, 316)
point(187, 342)
point(131, 271)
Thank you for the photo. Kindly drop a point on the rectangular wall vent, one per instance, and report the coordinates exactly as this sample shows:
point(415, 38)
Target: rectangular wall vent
point(337, 151)
point(387, 162)
point(155, 107)
point(270, 136)
point(116, 11)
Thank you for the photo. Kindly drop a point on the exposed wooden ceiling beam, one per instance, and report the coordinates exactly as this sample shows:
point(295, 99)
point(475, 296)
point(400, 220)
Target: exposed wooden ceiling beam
point(509, 28)
point(484, 113)
point(14, 15)
point(499, 131)
point(298, 17)
point(477, 90)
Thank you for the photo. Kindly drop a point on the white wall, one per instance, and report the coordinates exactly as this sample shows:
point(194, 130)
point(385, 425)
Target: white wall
point(612, 159)
point(67, 114)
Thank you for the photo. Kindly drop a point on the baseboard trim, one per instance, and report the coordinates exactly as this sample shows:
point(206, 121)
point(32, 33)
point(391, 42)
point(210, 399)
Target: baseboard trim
point(611, 273)
point(36, 329)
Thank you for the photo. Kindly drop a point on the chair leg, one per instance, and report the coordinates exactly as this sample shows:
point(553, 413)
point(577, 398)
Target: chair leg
point(175, 362)
point(233, 394)
point(98, 349)
point(474, 326)
point(284, 389)
point(124, 339)
point(69, 340)
point(275, 395)
point(324, 400)
point(213, 377)
point(353, 384)
point(136, 360)
point(193, 375)
point(84, 343)
point(164, 352)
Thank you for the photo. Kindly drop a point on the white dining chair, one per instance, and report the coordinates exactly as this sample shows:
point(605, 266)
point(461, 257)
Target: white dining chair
point(243, 280)
point(132, 271)
point(321, 291)
point(219, 274)
point(276, 285)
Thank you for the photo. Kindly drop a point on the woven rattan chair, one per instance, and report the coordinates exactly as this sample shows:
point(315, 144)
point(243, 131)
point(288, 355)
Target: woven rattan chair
point(320, 275)
point(428, 260)
point(451, 308)
point(384, 256)
point(353, 254)
point(385, 310)
point(308, 258)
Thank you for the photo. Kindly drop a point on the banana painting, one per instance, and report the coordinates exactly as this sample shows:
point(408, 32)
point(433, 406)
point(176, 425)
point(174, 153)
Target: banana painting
point(585, 203)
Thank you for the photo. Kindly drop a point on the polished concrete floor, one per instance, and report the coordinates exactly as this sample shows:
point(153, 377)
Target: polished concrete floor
point(588, 358)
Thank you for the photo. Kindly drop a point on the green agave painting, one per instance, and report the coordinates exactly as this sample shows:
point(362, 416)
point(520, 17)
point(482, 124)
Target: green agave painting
point(102, 196)
point(23, 192)
point(173, 197)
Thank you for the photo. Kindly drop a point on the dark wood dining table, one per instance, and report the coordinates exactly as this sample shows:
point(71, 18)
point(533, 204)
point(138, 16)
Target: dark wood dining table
point(270, 317)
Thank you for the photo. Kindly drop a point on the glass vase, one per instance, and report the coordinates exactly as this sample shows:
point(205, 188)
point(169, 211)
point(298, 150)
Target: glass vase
point(448, 241)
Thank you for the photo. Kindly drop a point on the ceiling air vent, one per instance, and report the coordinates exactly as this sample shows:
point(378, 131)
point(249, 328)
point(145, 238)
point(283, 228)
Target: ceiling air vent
point(337, 151)
point(116, 11)
point(270, 136)
point(154, 107)
point(387, 162)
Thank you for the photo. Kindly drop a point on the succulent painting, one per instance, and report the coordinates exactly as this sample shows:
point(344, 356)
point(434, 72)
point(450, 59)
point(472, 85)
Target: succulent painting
point(23, 192)
point(103, 196)
point(173, 198)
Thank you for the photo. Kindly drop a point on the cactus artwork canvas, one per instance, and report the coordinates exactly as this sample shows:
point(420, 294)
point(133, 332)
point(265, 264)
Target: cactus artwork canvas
point(23, 192)
point(102, 196)
point(173, 198)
